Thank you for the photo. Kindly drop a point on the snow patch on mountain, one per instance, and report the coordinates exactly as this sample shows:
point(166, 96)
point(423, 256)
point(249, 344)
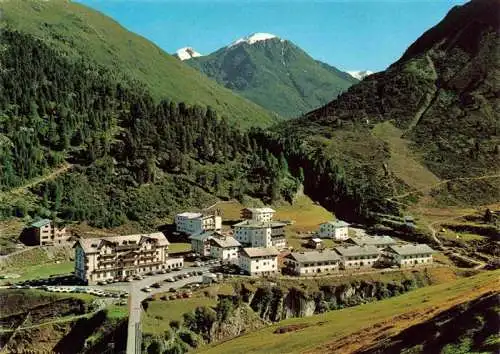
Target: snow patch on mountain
point(360, 74)
point(253, 38)
point(187, 53)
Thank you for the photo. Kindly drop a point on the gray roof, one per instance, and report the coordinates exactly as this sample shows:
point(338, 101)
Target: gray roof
point(410, 249)
point(373, 240)
point(314, 256)
point(260, 251)
point(337, 223)
point(353, 251)
point(225, 242)
point(252, 224)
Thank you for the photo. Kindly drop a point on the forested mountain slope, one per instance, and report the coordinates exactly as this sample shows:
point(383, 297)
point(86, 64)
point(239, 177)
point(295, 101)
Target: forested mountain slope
point(132, 158)
point(274, 73)
point(81, 32)
point(442, 95)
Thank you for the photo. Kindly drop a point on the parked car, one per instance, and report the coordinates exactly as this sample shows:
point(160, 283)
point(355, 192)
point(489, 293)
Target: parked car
point(156, 285)
point(172, 290)
point(146, 289)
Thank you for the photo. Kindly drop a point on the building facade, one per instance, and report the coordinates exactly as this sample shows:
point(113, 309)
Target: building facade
point(47, 233)
point(313, 262)
point(118, 257)
point(195, 223)
point(200, 243)
point(260, 234)
point(259, 261)
point(258, 214)
point(408, 255)
point(224, 248)
point(338, 230)
point(358, 256)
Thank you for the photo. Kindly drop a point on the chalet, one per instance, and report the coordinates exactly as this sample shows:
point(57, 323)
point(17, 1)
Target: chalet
point(259, 260)
point(377, 241)
point(196, 223)
point(408, 255)
point(313, 262)
point(224, 248)
point(357, 256)
point(47, 233)
point(258, 214)
point(337, 230)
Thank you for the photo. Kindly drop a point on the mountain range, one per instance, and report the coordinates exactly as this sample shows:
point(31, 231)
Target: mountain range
point(274, 73)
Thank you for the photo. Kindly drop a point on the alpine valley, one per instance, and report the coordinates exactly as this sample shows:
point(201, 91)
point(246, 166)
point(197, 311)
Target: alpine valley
point(144, 163)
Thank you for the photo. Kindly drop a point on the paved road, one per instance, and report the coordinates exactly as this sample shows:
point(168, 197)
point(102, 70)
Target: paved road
point(136, 296)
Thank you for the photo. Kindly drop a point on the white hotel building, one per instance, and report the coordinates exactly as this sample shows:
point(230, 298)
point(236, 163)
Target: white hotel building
point(195, 223)
point(253, 233)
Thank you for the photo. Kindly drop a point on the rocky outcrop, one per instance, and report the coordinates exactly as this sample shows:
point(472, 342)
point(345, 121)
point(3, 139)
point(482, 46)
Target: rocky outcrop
point(240, 321)
point(274, 303)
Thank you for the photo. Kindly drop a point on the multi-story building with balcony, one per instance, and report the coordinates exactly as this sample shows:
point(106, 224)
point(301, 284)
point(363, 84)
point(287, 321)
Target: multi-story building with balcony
point(118, 257)
point(253, 233)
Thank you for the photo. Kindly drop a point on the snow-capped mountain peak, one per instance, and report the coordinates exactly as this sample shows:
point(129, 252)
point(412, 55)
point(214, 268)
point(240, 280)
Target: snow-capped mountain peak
point(253, 38)
point(360, 74)
point(187, 53)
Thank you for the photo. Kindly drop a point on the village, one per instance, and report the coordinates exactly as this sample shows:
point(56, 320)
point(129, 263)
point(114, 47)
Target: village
point(256, 245)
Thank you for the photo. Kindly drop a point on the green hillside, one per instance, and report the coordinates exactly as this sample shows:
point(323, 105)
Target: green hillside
point(82, 32)
point(78, 144)
point(275, 74)
point(431, 116)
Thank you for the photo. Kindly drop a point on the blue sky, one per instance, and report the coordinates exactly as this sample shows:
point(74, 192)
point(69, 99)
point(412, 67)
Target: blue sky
point(349, 34)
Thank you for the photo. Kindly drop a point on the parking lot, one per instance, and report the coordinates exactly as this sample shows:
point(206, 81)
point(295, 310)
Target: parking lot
point(142, 285)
